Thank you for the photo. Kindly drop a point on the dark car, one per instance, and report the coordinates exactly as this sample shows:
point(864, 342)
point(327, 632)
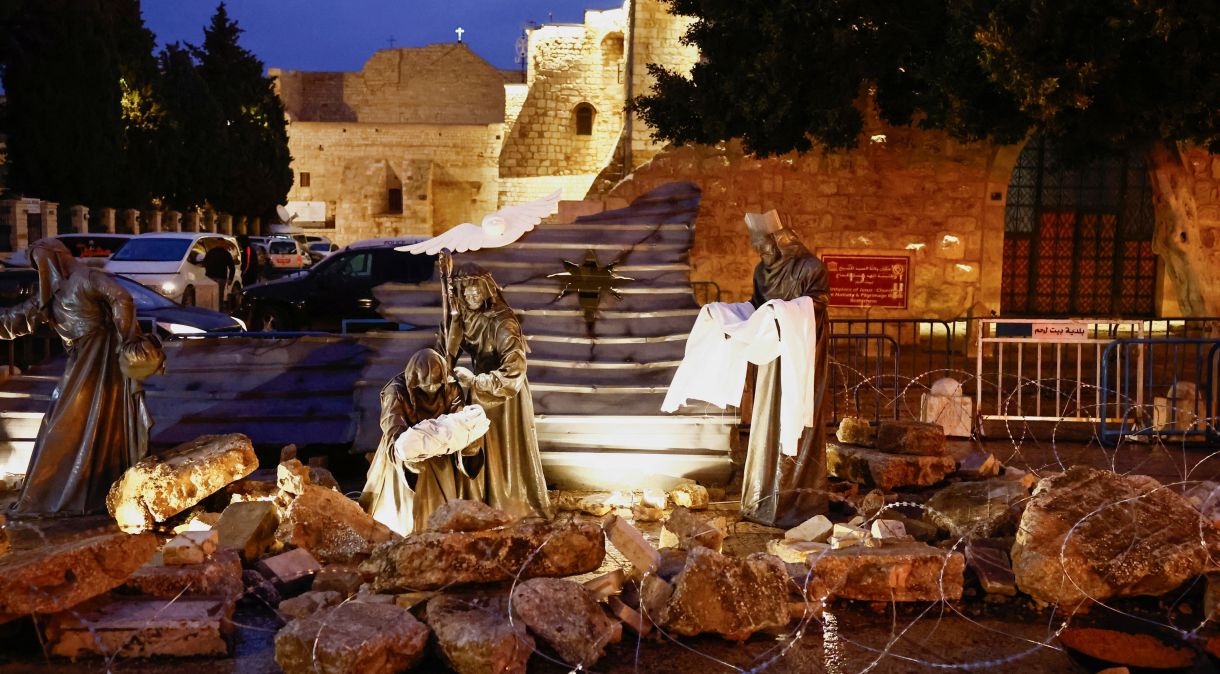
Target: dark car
point(336, 289)
point(154, 312)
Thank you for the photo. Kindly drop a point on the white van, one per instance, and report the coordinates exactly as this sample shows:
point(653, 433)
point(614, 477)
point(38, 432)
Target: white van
point(173, 264)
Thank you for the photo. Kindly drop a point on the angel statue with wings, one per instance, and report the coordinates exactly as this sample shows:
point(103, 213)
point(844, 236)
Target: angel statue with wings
point(479, 322)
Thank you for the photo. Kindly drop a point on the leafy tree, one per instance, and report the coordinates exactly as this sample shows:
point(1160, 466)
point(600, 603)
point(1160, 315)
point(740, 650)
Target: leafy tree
point(1094, 75)
point(256, 173)
point(192, 136)
point(142, 113)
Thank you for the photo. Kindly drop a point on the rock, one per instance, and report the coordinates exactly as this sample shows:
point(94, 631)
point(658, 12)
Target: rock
point(846, 535)
point(476, 637)
point(1205, 497)
point(1027, 480)
point(690, 495)
point(913, 438)
point(886, 471)
point(289, 571)
point(160, 486)
point(219, 575)
point(900, 571)
point(292, 476)
point(673, 560)
point(654, 593)
point(816, 528)
point(258, 590)
point(606, 585)
point(729, 596)
point(190, 547)
point(979, 465)
point(1094, 534)
point(564, 615)
point(992, 566)
point(331, 526)
point(141, 627)
point(308, 603)
point(977, 509)
point(795, 551)
point(597, 505)
point(646, 512)
point(410, 600)
point(199, 521)
point(887, 529)
point(464, 515)
point(856, 431)
point(631, 544)
point(248, 527)
point(629, 616)
point(527, 549)
point(288, 452)
point(685, 530)
point(340, 578)
point(352, 638)
point(54, 575)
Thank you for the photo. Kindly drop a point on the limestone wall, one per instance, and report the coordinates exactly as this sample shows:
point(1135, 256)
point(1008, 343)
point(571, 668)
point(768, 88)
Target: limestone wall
point(569, 65)
point(656, 39)
point(447, 174)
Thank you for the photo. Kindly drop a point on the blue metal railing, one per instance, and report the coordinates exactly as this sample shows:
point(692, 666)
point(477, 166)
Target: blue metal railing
point(1158, 388)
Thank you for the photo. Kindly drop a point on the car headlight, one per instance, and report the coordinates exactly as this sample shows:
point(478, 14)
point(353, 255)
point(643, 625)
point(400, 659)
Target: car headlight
point(180, 329)
point(169, 287)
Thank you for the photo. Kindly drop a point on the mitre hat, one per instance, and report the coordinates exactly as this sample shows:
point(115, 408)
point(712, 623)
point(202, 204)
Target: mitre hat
point(763, 223)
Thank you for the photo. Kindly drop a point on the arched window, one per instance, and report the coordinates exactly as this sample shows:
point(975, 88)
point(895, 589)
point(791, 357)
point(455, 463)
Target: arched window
point(584, 115)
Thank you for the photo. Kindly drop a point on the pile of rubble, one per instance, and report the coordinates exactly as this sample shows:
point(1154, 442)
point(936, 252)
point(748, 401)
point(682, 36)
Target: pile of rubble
point(202, 530)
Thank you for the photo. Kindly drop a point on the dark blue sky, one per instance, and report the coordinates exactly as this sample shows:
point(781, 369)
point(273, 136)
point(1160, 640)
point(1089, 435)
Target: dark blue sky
point(343, 34)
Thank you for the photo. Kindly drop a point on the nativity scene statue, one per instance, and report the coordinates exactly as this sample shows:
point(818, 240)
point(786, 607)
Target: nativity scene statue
point(783, 330)
point(97, 425)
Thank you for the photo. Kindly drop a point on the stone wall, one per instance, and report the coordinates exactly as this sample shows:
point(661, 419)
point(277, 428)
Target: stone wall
point(447, 174)
point(656, 38)
point(569, 65)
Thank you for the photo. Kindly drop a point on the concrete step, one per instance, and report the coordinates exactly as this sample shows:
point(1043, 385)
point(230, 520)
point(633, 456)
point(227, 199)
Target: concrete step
point(614, 233)
point(608, 349)
point(545, 294)
point(601, 374)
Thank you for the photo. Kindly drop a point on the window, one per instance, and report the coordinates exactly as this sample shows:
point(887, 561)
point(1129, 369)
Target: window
point(394, 200)
point(584, 114)
point(303, 178)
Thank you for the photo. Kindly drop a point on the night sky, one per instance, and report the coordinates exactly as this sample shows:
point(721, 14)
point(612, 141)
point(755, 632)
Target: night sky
point(343, 34)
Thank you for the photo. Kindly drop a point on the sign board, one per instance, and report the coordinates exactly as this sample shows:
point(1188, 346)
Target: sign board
point(307, 211)
point(868, 280)
point(1060, 331)
point(32, 205)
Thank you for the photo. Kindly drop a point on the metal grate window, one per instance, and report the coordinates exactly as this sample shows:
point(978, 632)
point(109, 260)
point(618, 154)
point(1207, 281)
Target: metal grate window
point(1078, 239)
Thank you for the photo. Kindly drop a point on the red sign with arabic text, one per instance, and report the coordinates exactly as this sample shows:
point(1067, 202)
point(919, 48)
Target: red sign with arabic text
point(868, 280)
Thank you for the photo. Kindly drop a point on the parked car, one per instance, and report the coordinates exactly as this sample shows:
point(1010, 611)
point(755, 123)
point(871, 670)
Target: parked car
point(172, 263)
point(338, 288)
point(155, 313)
point(92, 249)
point(287, 253)
point(320, 250)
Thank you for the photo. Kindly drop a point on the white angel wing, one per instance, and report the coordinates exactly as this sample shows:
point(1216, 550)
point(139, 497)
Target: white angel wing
point(464, 237)
point(521, 218)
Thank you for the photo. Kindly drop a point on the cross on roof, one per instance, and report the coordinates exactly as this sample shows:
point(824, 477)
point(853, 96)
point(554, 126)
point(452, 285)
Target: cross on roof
point(459, 32)
point(391, 41)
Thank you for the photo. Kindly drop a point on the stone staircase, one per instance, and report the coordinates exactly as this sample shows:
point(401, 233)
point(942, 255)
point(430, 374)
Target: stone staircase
point(598, 387)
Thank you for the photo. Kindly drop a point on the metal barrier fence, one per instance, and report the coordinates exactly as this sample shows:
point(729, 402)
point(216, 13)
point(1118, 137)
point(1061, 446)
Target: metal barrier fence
point(865, 378)
point(1179, 377)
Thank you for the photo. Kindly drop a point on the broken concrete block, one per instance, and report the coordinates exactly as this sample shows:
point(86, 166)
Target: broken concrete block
point(856, 431)
point(683, 529)
point(629, 616)
point(728, 596)
point(915, 438)
point(465, 515)
point(598, 505)
point(646, 512)
point(886, 471)
point(846, 535)
point(817, 528)
point(564, 615)
point(655, 593)
point(977, 509)
point(795, 551)
point(901, 571)
point(289, 571)
point(527, 549)
point(979, 466)
point(53, 575)
point(162, 485)
point(476, 637)
point(332, 527)
point(1095, 534)
point(992, 566)
point(883, 529)
point(219, 575)
point(199, 521)
point(190, 547)
point(292, 476)
point(345, 580)
point(352, 638)
point(248, 527)
point(606, 585)
point(631, 544)
point(308, 603)
point(142, 627)
point(690, 495)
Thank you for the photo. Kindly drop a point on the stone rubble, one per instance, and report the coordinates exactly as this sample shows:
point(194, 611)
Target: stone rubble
point(289, 571)
point(565, 616)
point(978, 509)
point(142, 627)
point(898, 571)
point(914, 438)
point(190, 547)
point(475, 635)
point(817, 529)
point(352, 638)
point(466, 515)
point(331, 526)
point(690, 495)
point(219, 575)
point(729, 596)
point(160, 486)
point(683, 529)
point(308, 603)
point(856, 431)
point(631, 544)
point(885, 471)
point(248, 527)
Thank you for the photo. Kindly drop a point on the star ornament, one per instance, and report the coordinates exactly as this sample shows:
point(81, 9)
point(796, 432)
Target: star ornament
point(590, 280)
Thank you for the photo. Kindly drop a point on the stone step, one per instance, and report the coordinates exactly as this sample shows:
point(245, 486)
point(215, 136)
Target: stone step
point(544, 294)
point(577, 468)
point(644, 432)
point(601, 374)
point(568, 399)
point(570, 322)
point(512, 272)
point(613, 233)
point(552, 256)
point(608, 349)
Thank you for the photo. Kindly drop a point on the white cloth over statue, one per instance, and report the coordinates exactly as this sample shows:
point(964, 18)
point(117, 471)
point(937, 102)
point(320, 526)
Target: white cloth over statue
point(726, 337)
point(443, 435)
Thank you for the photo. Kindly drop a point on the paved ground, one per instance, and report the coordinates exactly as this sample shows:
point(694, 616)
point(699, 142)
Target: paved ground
point(976, 634)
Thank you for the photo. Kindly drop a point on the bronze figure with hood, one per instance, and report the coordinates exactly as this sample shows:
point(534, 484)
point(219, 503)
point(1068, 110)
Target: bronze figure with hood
point(780, 490)
point(486, 328)
point(96, 426)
